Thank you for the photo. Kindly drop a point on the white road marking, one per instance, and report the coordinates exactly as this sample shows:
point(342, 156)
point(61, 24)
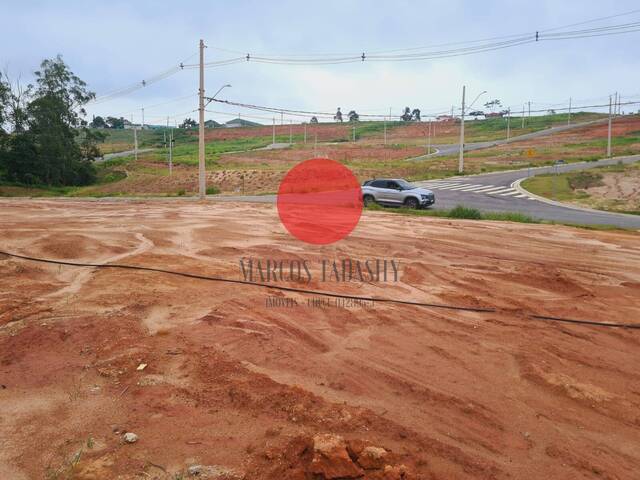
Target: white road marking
point(494, 189)
point(464, 187)
point(509, 193)
point(502, 190)
point(456, 186)
point(478, 188)
point(440, 185)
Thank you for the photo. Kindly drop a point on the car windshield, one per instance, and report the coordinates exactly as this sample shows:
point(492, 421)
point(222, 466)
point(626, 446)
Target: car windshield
point(404, 185)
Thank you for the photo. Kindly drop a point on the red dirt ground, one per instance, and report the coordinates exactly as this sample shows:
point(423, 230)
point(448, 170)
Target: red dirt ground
point(268, 391)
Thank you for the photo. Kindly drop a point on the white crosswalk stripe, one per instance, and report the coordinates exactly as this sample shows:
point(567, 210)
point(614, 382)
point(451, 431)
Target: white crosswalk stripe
point(457, 186)
point(476, 188)
point(502, 190)
point(494, 190)
point(454, 186)
point(464, 187)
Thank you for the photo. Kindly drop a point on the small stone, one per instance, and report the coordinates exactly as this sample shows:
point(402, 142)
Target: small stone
point(194, 470)
point(141, 367)
point(372, 457)
point(130, 437)
point(214, 472)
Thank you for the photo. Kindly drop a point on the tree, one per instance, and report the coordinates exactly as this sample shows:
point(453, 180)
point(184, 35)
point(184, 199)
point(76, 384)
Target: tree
point(313, 120)
point(47, 119)
point(415, 115)
point(89, 143)
point(115, 123)
point(406, 116)
point(98, 122)
point(493, 104)
point(14, 103)
point(188, 123)
point(353, 116)
point(338, 116)
point(5, 95)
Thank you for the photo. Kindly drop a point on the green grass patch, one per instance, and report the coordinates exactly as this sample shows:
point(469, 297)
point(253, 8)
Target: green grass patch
point(552, 186)
point(459, 212)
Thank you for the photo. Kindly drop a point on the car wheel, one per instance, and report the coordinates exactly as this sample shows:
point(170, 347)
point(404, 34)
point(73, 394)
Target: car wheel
point(411, 203)
point(368, 200)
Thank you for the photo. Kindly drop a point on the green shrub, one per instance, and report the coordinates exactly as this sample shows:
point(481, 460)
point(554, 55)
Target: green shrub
point(460, 211)
point(213, 190)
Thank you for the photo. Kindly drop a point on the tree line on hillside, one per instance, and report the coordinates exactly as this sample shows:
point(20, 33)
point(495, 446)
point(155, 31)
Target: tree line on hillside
point(43, 136)
point(408, 115)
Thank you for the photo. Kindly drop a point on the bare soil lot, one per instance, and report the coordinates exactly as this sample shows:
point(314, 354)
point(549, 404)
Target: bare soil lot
point(265, 391)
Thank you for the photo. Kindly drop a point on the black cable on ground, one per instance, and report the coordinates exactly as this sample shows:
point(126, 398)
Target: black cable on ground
point(585, 322)
point(317, 292)
point(245, 282)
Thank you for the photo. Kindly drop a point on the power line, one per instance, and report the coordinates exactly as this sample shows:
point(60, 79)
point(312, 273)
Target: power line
point(470, 47)
point(307, 113)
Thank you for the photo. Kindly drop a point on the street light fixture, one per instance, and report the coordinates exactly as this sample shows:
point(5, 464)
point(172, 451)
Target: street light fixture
point(479, 95)
point(210, 99)
point(461, 155)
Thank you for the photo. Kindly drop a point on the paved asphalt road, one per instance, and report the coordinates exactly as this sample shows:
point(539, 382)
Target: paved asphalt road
point(455, 148)
point(494, 192)
point(110, 156)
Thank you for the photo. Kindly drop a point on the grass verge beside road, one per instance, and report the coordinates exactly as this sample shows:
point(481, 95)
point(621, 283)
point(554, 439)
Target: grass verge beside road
point(614, 188)
point(462, 212)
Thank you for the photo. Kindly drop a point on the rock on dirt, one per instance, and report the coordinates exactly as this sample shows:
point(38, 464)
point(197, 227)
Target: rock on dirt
point(372, 457)
point(130, 437)
point(331, 459)
point(214, 472)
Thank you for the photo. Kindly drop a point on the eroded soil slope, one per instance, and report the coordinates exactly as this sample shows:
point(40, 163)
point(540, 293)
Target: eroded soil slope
point(244, 385)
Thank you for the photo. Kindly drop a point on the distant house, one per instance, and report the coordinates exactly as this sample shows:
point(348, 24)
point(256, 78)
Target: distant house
point(240, 122)
point(447, 118)
point(212, 124)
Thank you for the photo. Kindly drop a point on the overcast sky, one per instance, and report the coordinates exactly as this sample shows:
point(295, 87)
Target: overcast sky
point(115, 44)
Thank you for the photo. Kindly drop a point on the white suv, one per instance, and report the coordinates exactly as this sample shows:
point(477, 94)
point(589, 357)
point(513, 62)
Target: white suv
point(396, 192)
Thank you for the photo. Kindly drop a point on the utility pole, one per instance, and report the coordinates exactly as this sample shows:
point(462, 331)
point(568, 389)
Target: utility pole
point(171, 152)
point(529, 114)
point(508, 124)
point(385, 131)
point(619, 104)
point(354, 133)
point(202, 187)
point(135, 142)
point(142, 118)
point(609, 131)
point(615, 104)
point(429, 140)
point(305, 133)
point(522, 116)
point(569, 119)
point(281, 118)
point(461, 156)
point(290, 132)
point(273, 141)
